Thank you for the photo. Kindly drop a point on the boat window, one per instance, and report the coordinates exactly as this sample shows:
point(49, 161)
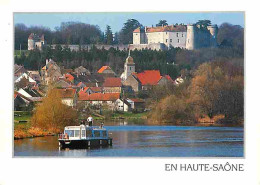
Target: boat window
point(89, 133)
point(70, 133)
point(104, 133)
point(76, 133)
point(97, 133)
point(83, 133)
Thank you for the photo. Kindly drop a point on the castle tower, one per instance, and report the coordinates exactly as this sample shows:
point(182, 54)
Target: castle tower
point(31, 43)
point(129, 67)
point(191, 40)
point(213, 29)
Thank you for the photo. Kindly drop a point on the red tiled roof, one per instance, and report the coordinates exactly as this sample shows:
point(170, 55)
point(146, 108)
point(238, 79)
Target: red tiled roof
point(69, 77)
point(137, 30)
point(66, 93)
point(96, 89)
point(169, 78)
point(99, 97)
point(15, 94)
point(149, 77)
point(112, 82)
point(136, 100)
point(103, 68)
point(79, 84)
point(169, 28)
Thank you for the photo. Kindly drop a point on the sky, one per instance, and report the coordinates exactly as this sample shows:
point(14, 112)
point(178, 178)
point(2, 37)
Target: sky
point(116, 20)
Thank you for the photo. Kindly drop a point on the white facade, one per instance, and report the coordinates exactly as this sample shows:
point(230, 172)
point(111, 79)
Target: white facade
point(121, 106)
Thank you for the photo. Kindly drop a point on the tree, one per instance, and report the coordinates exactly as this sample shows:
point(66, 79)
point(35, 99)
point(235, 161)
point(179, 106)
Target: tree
point(162, 23)
point(108, 36)
point(52, 114)
point(126, 33)
point(203, 23)
point(231, 36)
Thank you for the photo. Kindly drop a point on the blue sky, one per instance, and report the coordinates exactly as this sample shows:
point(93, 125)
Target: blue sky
point(116, 20)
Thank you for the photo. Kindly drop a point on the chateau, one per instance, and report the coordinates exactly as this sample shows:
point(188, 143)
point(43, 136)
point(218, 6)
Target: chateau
point(184, 36)
point(35, 41)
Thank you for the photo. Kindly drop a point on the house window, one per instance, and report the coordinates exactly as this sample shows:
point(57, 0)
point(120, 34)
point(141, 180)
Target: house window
point(166, 40)
point(182, 35)
point(170, 40)
point(130, 68)
point(177, 34)
point(178, 40)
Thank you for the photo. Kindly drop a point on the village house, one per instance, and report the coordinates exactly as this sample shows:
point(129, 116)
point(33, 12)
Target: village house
point(51, 72)
point(68, 96)
point(63, 83)
point(136, 104)
point(19, 70)
point(99, 99)
point(90, 90)
point(122, 105)
point(21, 103)
point(32, 94)
point(93, 80)
point(81, 71)
point(106, 70)
point(112, 85)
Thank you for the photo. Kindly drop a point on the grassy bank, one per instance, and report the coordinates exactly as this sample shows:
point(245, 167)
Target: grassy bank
point(23, 128)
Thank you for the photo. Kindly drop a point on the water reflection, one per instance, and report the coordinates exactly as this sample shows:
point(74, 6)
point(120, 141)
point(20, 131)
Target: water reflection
point(147, 141)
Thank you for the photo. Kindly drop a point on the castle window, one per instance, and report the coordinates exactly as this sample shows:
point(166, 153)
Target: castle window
point(182, 35)
point(177, 34)
point(130, 68)
point(188, 40)
point(178, 40)
point(166, 40)
point(170, 40)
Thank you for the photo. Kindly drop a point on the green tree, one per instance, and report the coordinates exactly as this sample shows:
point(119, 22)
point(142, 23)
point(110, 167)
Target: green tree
point(203, 23)
point(126, 33)
point(108, 36)
point(162, 23)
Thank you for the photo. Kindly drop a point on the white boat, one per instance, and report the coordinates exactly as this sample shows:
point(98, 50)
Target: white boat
point(84, 136)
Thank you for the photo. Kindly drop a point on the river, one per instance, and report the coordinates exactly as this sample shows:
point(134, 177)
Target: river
point(147, 141)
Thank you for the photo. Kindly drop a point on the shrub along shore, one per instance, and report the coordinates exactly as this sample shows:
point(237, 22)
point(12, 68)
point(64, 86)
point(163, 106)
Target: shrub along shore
point(23, 128)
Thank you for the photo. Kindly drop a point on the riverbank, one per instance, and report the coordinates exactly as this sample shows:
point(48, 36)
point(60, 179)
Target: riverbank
point(23, 128)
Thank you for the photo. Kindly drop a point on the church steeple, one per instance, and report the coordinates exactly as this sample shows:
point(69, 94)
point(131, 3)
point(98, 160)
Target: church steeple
point(129, 67)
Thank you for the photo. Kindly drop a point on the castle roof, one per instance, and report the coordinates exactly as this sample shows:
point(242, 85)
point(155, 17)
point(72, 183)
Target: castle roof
point(167, 28)
point(36, 37)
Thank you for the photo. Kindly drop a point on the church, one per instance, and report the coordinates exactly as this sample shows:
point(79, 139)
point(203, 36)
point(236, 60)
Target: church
point(143, 80)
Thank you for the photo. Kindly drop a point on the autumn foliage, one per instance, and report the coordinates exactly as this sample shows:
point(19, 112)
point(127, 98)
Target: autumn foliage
point(52, 114)
point(215, 91)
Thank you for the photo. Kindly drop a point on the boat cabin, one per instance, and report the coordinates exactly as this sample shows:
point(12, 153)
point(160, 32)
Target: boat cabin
point(84, 132)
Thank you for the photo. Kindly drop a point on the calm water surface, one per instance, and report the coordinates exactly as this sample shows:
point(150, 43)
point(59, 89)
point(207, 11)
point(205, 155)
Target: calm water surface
point(148, 141)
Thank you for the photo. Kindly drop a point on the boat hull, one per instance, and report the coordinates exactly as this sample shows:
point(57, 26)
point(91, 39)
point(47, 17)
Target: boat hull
point(85, 143)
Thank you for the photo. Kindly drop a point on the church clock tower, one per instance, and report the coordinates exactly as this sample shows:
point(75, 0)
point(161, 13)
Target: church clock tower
point(129, 67)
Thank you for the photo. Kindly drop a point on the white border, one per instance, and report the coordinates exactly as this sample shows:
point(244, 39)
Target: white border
point(125, 170)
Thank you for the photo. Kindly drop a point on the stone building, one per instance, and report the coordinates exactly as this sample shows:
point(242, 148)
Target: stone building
point(36, 42)
point(184, 36)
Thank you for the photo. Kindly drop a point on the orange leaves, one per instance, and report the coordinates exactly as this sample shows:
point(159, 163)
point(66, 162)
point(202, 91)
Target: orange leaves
point(52, 114)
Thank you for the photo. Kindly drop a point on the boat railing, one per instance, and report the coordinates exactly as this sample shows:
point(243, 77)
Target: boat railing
point(63, 136)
